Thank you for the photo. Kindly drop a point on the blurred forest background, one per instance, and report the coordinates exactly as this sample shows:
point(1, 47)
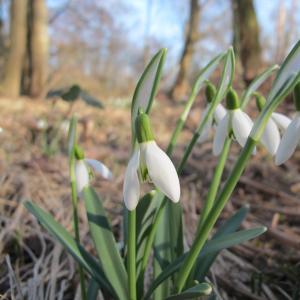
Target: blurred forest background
point(97, 50)
point(106, 44)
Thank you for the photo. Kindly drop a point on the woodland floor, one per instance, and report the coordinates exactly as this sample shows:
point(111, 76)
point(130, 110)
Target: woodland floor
point(34, 165)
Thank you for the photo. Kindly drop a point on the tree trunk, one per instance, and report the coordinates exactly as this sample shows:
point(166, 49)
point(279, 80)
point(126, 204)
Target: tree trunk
point(13, 68)
point(182, 84)
point(246, 38)
point(36, 66)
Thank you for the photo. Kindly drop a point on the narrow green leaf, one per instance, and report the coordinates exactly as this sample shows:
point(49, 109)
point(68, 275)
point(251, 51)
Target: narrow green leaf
point(147, 86)
point(289, 69)
point(105, 243)
point(217, 244)
point(75, 249)
point(231, 225)
point(72, 134)
point(206, 72)
point(256, 83)
point(93, 290)
point(201, 289)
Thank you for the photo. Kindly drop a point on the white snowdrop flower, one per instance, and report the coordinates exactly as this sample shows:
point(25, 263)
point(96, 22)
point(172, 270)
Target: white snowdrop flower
point(291, 136)
point(218, 114)
point(82, 173)
point(235, 122)
point(271, 136)
point(149, 162)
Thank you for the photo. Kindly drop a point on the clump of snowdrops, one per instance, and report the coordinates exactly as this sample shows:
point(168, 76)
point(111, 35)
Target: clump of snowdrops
point(153, 223)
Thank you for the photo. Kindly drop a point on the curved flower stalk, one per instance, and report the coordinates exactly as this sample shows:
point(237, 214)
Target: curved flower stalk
point(149, 162)
point(82, 171)
point(270, 138)
point(235, 122)
point(291, 136)
point(218, 114)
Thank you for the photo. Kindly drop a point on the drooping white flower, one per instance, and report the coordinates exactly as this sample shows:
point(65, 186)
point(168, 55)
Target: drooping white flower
point(291, 136)
point(271, 135)
point(235, 121)
point(289, 141)
point(149, 162)
point(82, 170)
point(217, 116)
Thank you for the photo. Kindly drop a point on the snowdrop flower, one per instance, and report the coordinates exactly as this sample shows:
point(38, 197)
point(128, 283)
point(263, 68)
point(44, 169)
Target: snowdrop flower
point(271, 136)
point(149, 162)
point(291, 136)
point(82, 173)
point(235, 122)
point(218, 114)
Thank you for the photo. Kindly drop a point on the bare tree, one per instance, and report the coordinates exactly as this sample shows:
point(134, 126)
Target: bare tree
point(182, 85)
point(36, 65)
point(246, 38)
point(13, 68)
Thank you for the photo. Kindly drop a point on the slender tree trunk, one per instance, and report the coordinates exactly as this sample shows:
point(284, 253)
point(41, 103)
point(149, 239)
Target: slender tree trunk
point(13, 68)
point(182, 84)
point(246, 38)
point(36, 66)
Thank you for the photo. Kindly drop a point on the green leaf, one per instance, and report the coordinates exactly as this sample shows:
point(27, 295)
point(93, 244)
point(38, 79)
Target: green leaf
point(201, 289)
point(147, 86)
point(256, 83)
point(72, 134)
point(206, 72)
point(72, 93)
point(93, 290)
point(231, 225)
point(227, 75)
point(105, 243)
point(145, 213)
point(288, 70)
point(91, 100)
point(217, 244)
point(76, 250)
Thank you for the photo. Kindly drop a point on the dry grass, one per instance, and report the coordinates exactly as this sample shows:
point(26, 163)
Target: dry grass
point(34, 266)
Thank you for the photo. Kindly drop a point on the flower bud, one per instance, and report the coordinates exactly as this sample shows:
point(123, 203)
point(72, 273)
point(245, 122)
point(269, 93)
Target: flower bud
point(79, 154)
point(260, 101)
point(143, 128)
point(232, 100)
point(210, 92)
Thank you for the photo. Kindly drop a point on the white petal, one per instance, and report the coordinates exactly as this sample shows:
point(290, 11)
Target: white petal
point(271, 137)
point(161, 170)
point(206, 130)
point(205, 134)
point(221, 134)
point(82, 175)
point(131, 186)
point(281, 120)
point(99, 168)
point(220, 113)
point(288, 142)
point(241, 126)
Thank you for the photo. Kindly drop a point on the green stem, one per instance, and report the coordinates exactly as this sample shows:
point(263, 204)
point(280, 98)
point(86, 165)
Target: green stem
point(181, 121)
point(215, 183)
point(76, 219)
point(214, 214)
point(131, 258)
point(151, 235)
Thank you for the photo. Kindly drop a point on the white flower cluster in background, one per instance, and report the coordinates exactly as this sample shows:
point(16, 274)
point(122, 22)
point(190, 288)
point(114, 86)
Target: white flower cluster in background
point(281, 134)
